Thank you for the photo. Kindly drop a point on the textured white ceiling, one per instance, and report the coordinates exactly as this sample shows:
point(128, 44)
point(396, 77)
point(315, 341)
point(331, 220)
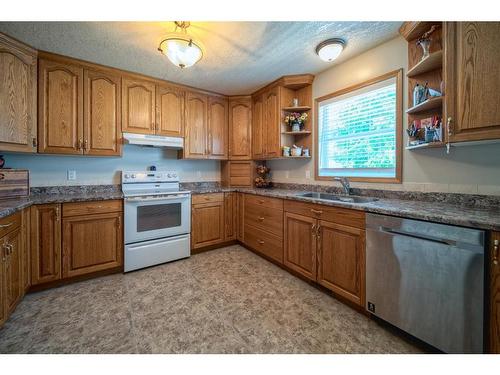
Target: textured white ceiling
point(239, 57)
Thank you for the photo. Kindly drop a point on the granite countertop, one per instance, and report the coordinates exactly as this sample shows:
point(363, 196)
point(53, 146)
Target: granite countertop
point(441, 212)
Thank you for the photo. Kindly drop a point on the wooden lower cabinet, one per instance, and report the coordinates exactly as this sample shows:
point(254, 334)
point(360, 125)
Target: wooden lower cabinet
point(300, 244)
point(494, 331)
point(26, 258)
point(264, 242)
point(207, 220)
point(341, 260)
point(92, 243)
point(230, 216)
point(45, 243)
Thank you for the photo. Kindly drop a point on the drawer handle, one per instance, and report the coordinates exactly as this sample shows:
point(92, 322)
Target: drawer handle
point(6, 225)
point(317, 212)
point(262, 201)
point(261, 242)
point(207, 198)
point(261, 218)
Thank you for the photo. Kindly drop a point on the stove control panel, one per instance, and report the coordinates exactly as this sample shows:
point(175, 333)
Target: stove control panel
point(149, 176)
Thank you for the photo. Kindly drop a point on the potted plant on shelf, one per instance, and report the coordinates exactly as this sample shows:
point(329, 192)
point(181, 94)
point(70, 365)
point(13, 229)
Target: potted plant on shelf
point(296, 120)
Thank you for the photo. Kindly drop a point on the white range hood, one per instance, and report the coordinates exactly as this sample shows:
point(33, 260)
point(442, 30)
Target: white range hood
point(153, 140)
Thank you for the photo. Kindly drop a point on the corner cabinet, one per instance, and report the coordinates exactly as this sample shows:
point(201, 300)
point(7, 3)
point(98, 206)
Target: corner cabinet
point(240, 128)
point(18, 102)
point(472, 76)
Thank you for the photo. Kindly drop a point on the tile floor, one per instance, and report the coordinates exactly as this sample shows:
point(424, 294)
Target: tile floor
point(223, 301)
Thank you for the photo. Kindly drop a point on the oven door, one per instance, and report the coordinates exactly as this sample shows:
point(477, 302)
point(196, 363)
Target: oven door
point(155, 217)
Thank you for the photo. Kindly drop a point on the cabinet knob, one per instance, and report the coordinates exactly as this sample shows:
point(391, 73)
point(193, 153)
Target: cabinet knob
point(261, 218)
point(448, 124)
point(495, 252)
point(6, 225)
point(261, 242)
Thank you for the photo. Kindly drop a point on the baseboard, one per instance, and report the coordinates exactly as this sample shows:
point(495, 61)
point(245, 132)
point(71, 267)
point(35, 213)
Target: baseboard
point(213, 247)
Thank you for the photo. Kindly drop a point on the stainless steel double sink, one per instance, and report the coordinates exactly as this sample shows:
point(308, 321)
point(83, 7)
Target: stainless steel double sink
point(338, 198)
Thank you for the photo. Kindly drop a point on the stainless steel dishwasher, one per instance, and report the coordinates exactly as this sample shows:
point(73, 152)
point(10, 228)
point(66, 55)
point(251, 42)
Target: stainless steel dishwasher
point(428, 280)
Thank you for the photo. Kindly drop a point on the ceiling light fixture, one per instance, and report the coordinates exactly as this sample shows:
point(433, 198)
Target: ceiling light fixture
point(330, 49)
point(180, 48)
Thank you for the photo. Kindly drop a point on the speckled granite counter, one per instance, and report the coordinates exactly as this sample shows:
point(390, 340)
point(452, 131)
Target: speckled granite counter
point(441, 212)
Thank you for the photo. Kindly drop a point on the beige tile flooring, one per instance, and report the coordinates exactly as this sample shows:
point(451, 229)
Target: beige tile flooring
point(223, 301)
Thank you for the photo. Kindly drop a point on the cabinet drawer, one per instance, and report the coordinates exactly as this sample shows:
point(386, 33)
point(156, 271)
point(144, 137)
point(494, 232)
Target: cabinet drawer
point(337, 215)
point(264, 242)
point(261, 201)
point(9, 223)
point(96, 207)
point(265, 218)
point(207, 198)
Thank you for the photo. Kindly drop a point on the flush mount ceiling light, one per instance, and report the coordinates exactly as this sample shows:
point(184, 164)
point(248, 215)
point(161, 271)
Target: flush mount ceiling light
point(330, 49)
point(180, 48)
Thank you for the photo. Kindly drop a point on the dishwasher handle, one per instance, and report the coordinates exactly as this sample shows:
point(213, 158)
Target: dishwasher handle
point(417, 236)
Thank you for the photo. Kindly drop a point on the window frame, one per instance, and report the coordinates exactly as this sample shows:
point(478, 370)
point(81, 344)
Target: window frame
point(398, 75)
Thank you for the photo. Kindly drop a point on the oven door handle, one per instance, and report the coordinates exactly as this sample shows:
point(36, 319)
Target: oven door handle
point(180, 196)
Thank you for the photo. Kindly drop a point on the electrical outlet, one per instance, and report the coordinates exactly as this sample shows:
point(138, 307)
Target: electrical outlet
point(71, 175)
point(287, 174)
point(308, 174)
point(198, 174)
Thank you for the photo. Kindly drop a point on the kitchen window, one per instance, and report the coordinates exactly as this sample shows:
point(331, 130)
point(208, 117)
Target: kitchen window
point(359, 131)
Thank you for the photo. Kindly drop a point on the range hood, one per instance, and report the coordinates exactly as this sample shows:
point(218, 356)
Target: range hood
point(153, 140)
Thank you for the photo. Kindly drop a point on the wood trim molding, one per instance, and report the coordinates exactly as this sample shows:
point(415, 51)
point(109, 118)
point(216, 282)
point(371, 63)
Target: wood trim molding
point(398, 74)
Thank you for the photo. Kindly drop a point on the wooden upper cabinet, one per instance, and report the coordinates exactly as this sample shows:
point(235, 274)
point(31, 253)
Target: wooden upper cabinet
point(240, 128)
point(195, 142)
point(258, 151)
point(60, 112)
point(170, 111)
point(272, 125)
point(91, 243)
point(217, 128)
point(45, 243)
point(341, 259)
point(18, 103)
point(472, 76)
point(300, 244)
point(102, 114)
point(494, 324)
point(138, 106)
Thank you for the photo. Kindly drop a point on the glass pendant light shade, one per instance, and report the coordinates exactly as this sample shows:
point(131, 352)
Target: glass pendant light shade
point(330, 49)
point(181, 52)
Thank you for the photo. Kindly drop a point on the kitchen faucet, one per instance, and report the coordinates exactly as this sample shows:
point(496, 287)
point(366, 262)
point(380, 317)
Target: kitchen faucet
point(345, 184)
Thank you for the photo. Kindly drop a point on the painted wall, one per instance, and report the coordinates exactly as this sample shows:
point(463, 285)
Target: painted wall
point(468, 169)
point(47, 170)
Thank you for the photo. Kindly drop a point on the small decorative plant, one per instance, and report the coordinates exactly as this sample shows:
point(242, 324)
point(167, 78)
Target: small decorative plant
point(296, 120)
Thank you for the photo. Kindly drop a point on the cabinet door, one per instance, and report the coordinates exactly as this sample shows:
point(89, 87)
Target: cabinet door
point(230, 216)
point(272, 127)
point(18, 90)
point(494, 331)
point(60, 112)
point(240, 129)
point(25, 257)
point(45, 243)
point(472, 76)
point(341, 260)
point(92, 243)
point(241, 213)
point(300, 244)
point(138, 106)
point(3, 260)
point(258, 150)
point(207, 224)
point(13, 269)
point(102, 114)
point(170, 111)
point(195, 141)
point(217, 128)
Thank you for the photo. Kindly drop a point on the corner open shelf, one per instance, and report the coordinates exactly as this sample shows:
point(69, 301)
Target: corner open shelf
point(426, 145)
point(429, 104)
point(302, 132)
point(431, 62)
point(302, 108)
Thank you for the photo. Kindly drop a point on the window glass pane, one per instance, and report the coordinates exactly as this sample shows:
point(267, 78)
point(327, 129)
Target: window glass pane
point(357, 132)
point(158, 216)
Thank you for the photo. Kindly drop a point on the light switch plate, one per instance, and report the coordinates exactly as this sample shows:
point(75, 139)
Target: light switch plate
point(71, 175)
point(308, 174)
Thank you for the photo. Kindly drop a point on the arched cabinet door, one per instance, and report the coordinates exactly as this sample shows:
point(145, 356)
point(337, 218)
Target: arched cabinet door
point(138, 106)
point(258, 150)
point(195, 142)
point(60, 114)
point(240, 130)
point(170, 111)
point(17, 96)
point(102, 116)
point(217, 128)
